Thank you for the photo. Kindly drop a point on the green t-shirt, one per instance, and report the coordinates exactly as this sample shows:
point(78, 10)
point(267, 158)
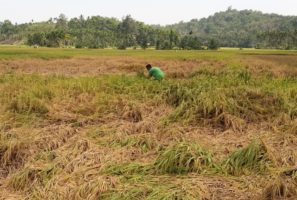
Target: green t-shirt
point(157, 73)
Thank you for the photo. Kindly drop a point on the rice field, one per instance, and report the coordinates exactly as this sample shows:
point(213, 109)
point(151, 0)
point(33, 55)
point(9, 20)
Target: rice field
point(88, 124)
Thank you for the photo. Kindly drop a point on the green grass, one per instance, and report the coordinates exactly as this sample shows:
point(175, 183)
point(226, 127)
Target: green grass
point(15, 52)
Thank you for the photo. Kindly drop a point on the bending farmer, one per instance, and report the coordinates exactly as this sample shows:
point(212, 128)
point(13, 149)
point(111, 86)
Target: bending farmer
point(155, 72)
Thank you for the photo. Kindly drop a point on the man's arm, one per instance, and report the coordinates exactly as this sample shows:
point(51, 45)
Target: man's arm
point(150, 74)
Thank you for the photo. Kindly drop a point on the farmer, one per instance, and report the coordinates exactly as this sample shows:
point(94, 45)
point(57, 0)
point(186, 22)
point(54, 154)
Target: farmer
point(155, 72)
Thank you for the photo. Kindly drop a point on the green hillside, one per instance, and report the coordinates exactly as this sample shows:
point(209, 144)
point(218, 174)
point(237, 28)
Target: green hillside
point(246, 28)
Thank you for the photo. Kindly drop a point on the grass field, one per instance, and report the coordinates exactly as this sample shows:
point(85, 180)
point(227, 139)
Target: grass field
point(87, 124)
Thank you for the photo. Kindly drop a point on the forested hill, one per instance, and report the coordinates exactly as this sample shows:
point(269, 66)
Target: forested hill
point(230, 28)
point(246, 28)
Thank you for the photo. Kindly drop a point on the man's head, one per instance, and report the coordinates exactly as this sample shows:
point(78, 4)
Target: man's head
point(148, 67)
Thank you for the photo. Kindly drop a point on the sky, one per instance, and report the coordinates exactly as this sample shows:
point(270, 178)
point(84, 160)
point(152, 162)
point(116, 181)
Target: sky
point(149, 11)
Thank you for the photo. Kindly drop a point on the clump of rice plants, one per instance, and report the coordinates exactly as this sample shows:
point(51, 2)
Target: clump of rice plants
point(128, 169)
point(244, 75)
point(228, 121)
point(151, 190)
point(26, 94)
point(176, 95)
point(291, 127)
point(12, 153)
point(256, 104)
point(174, 192)
point(30, 177)
point(253, 158)
point(140, 141)
point(183, 158)
point(203, 103)
point(230, 99)
point(93, 189)
point(28, 104)
point(280, 188)
point(132, 114)
point(23, 179)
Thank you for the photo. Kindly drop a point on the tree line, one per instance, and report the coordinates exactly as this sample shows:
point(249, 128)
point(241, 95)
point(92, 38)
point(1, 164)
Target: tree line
point(96, 32)
point(231, 28)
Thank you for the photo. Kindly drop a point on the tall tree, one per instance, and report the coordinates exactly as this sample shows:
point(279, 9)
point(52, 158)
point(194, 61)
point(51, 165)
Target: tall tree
point(128, 31)
point(62, 22)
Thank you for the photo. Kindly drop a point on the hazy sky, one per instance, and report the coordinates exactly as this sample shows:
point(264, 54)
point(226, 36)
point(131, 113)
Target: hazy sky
point(149, 11)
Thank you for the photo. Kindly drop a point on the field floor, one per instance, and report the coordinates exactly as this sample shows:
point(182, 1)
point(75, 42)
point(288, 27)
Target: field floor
point(88, 124)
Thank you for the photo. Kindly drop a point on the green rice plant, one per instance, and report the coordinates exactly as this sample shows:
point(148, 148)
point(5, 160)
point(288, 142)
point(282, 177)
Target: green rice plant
point(128, 169)
point(173, 192)
point(176, 95)
point(100, 132)
point(286, 90)
point(25, 94)
point(290, 96)
point(29, 177)
point(24, 179)
point(255, 104)
point(183, 158)
point(143, 142)
point(149, 188)
point(244, 75)
point(42, 92)
point(93, 189)
point(27, 104)
point(202, 71)
point(136, 193)
point(203, 95)
point(204, 105)
point(253, 158)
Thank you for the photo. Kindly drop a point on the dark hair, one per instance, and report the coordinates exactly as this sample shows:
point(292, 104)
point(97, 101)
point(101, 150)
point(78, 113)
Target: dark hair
point(148, 67)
